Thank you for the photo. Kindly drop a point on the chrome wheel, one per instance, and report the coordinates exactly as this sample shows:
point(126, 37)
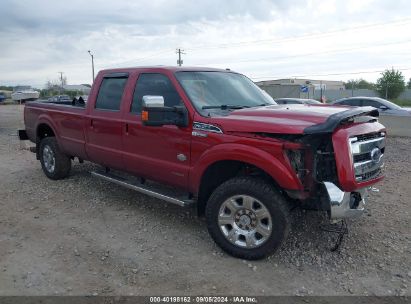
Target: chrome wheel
point(245, 221)
point(49, 159)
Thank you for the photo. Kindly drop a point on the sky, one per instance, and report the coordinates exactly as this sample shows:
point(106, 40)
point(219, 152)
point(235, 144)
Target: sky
point(263, 39)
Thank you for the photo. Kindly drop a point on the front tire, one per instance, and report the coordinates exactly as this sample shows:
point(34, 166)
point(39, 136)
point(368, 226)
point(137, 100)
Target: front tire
point(55, 164)
point(247, 217)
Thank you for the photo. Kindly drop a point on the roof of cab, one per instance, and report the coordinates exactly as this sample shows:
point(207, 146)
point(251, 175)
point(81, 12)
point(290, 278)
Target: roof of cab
point(165, 68)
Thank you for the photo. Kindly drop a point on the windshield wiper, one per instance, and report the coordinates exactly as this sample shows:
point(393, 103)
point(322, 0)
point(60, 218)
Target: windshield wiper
point(224, 107)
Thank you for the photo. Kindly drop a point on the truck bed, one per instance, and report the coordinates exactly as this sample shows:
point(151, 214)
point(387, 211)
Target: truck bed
point(66, 120)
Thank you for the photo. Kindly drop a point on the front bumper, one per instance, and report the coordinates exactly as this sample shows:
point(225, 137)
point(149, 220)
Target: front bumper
point(345, 204)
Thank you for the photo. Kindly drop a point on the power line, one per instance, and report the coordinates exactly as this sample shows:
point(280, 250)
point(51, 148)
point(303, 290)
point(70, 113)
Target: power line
point(301, 37)
point(332, 74)
point(319, 52)
point(161, 52)
point(273, 41)
point(278, 57)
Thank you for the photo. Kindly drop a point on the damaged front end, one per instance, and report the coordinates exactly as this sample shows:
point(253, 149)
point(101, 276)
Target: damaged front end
point(337, 161)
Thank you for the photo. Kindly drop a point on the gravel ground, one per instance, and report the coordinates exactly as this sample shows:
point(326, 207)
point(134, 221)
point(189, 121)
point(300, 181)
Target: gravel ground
point(83, 236)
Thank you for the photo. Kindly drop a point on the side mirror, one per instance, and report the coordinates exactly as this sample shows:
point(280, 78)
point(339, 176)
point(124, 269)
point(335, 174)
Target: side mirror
point(383, 108)
point(155, 114)
point(150, 101)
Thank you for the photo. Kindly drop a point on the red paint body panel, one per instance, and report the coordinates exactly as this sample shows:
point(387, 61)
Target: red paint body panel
point(67, 124)
point(151, 152)
point(119, 139)
point(280, 119)
point(343, 157)
point(265, 154)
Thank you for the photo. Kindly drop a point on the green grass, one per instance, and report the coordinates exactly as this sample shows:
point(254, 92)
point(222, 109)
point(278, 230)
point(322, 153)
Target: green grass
point(402, 102)
point(7, 101)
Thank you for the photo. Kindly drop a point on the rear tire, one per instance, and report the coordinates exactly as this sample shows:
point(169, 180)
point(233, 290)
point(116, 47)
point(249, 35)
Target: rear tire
point(55, 164)
point(247, 217)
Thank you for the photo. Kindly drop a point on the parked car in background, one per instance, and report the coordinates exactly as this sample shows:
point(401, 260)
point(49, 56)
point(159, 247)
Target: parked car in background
point(2, 96)
point(60, 98)
point(296, 101)
point(384, 106)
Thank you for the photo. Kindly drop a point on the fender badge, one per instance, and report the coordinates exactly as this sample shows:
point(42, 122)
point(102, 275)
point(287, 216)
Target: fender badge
point(181, 157)
point(198, 134)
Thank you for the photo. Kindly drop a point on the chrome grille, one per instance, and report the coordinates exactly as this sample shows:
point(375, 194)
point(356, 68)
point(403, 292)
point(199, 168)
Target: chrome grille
point(368, 155)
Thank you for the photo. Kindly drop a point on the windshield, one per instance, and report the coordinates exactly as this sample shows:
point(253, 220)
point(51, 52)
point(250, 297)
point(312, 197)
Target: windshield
point(312, 101)
point(389, 104)
point(221, 89)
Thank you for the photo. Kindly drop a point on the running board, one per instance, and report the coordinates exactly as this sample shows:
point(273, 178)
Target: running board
point(142, 189)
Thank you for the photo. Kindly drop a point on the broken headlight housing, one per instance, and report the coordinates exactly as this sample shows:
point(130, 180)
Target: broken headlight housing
point(297, 162)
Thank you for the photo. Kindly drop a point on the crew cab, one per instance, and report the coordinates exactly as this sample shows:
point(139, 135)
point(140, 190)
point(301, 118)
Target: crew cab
point(215, 141)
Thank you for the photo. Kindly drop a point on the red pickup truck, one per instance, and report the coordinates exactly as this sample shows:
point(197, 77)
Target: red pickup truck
point(227, 147)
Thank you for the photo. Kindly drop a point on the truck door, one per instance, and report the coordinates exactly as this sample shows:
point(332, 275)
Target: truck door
point(104, 123)
point(158, 153)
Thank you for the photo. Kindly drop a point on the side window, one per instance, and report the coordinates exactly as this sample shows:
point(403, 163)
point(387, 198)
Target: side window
point(352, 102)
point(356, 103)
point(371, 103)
point(110, 93)
point(156, 85)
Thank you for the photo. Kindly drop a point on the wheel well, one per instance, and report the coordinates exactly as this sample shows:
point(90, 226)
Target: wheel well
point(221, 171)
point(44, 130)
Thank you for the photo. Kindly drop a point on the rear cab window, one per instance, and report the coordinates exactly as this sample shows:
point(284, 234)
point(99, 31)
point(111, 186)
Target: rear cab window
point(111, 92)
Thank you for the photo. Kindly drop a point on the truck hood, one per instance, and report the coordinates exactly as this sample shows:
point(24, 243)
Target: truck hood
point(290, 119)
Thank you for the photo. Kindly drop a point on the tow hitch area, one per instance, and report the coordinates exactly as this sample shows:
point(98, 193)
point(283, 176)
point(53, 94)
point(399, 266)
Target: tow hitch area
point(22, 135)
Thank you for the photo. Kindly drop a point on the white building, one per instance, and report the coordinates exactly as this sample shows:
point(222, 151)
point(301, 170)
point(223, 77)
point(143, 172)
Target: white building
point(77, 87)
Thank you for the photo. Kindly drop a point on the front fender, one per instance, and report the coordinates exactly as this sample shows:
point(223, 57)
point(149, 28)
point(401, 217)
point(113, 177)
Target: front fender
point(247, 154)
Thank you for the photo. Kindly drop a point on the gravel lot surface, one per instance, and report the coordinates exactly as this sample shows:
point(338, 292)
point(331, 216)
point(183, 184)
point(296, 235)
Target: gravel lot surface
point(83, 236)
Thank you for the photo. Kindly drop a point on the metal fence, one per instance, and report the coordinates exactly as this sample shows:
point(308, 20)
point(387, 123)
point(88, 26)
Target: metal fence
point(279, 91)
point(337, 94)
point(331, 95)
point(294, 91)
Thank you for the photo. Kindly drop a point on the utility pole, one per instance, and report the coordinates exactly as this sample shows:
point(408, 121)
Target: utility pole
point(386, 90)
point(321, 91)
point(61, 80)
point(180, 52)
point(92, 63)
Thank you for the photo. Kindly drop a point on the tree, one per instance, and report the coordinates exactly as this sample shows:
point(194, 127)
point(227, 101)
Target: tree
point(391, 84)
point(73, 93)
point(409, 84)
point(52, 85)
point(6, 88)
point(359, 84)
point(351, 84)
point(364, 84)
